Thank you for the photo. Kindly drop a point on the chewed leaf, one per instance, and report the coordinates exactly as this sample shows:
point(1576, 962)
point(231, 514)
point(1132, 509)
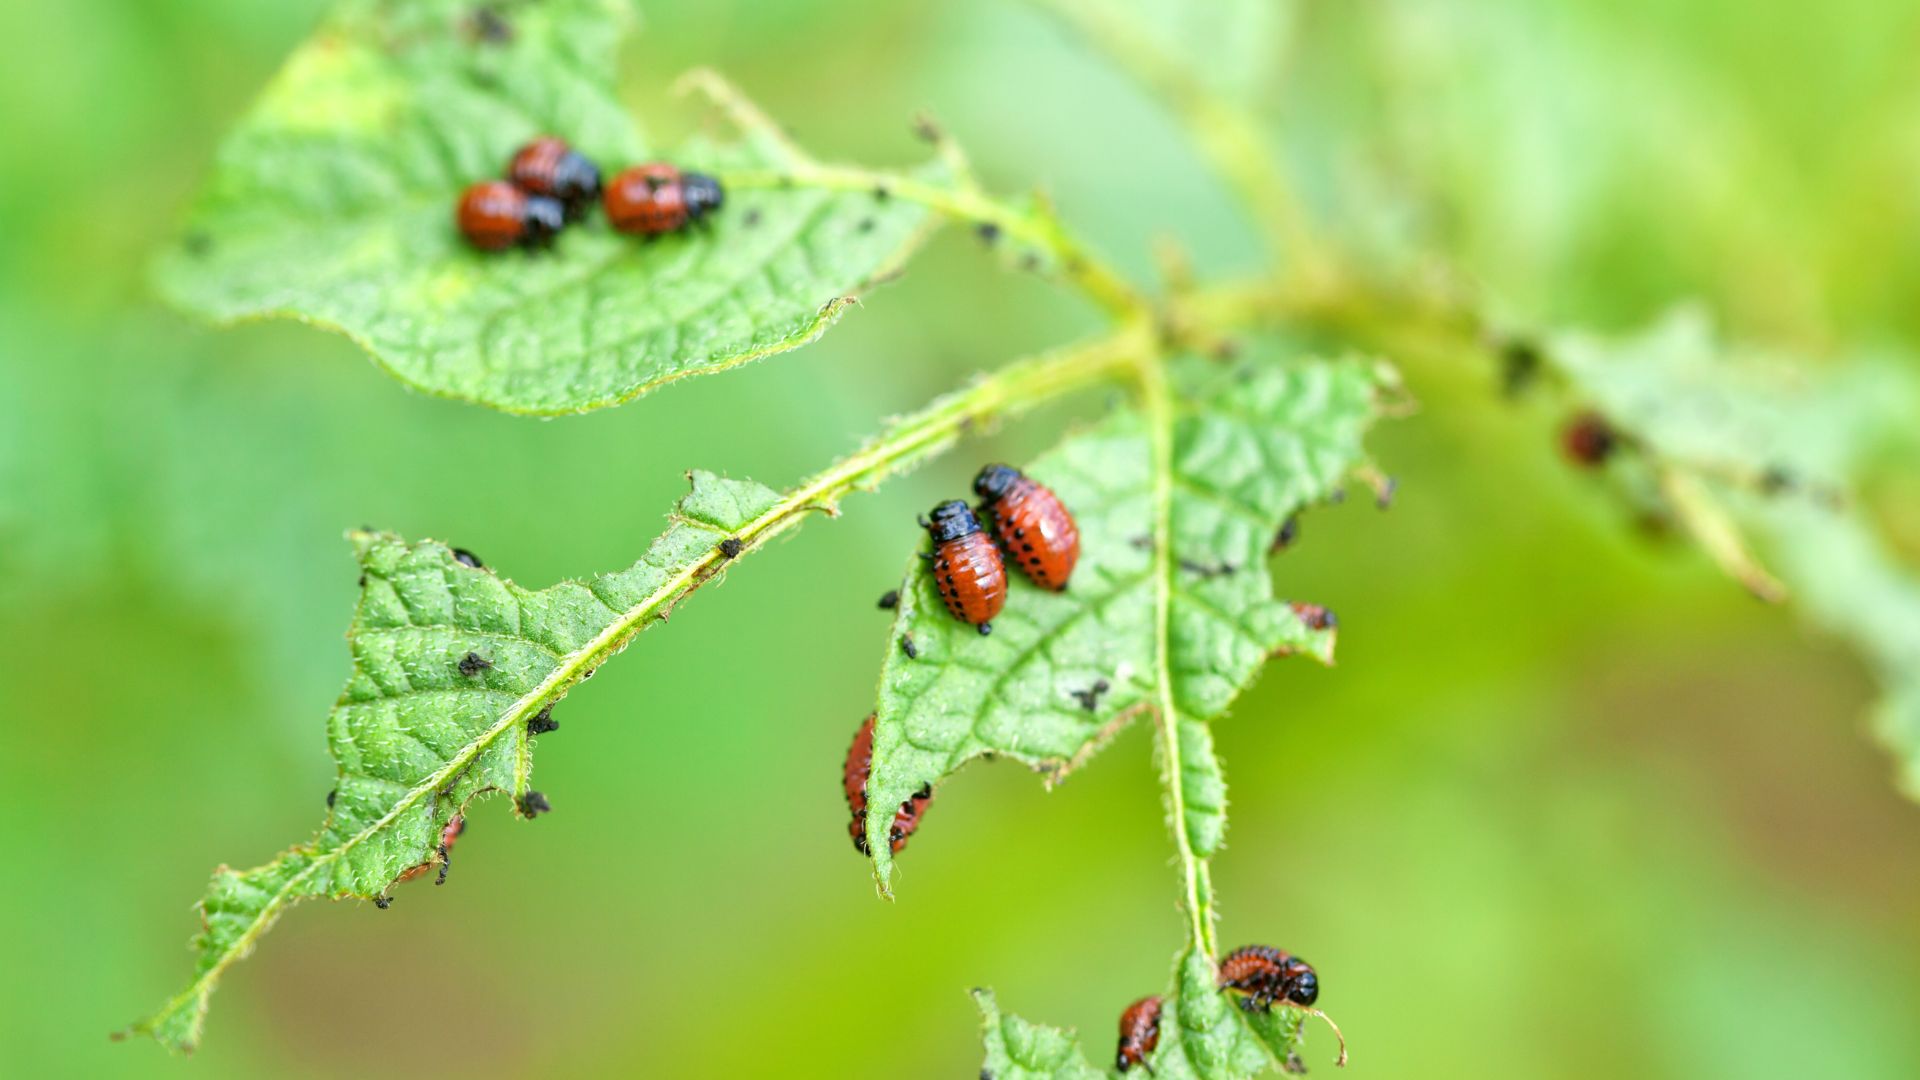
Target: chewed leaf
point(1203, 1035)
point(1018, 1050)
point(450, 663)
point(332, 202)
point(1063, 672)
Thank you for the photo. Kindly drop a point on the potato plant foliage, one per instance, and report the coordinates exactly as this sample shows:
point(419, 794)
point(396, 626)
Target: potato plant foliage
point(1245, 403)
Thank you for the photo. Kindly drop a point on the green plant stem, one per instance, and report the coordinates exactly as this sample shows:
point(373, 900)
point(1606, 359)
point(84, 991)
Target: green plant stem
point(1197, 888)
point(1036, 228)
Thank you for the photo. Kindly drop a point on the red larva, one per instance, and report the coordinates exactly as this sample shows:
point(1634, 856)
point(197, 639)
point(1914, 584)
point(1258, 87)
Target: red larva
point(1036, 530)
point(854, 778)
point(494, 215)
point(966, 566)
point(454, 827)
point(1139, 1034)
point(548, 166)
point(1266, 976)
point(1588, 440)
point(657, 198)
point(1315, 616)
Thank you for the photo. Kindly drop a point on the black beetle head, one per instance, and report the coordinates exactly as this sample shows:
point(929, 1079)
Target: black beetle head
point(952, 520)
point(994, 481)
point(702, 193)
point(545, 218)
point(576, 182)
point(1303, 986)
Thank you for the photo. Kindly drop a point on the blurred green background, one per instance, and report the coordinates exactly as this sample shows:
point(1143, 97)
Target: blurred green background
point(1571, 805)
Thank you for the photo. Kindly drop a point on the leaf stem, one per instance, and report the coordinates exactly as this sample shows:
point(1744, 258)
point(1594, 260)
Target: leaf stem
point(1037, 228)
point(1157, 404)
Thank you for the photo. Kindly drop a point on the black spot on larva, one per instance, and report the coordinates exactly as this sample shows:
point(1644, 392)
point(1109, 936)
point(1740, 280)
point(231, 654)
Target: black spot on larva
point(1090, 697)
point(198, 244)
point(889, 599)
point(331, 796)
point(731, 547)
point(467, 558)
point(383, 902)
point(751, 217)
point(989, 232)
point(540, 723)
point(473, 664)
point(533, 804)
point(907, 646)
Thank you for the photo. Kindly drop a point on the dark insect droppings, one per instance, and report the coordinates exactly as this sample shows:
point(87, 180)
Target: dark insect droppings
point(889, 599)
point(907, 646)
point(1090, 697)
point(473, 664)
point(989, 232)
point(331, 796)
point(467, 558)
point(731, 547)
point(533, 804)
point(881, 193)
point(539, 724)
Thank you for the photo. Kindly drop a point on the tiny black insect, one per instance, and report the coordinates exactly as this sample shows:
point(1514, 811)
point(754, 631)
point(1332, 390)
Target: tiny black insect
point(467, 558)
point(533, 804)
point(889, 599)
point(473, 664)
point(383, 902)
point(1519, 366)
point(331, 796)
point(363, 581)
point(1289, 532)
point(989, 232)
point(542, 722)
point(731, 547)
point(907, 646)
point(1090, 697)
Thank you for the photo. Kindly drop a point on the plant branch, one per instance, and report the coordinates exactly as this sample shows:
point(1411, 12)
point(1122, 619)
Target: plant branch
point(1037, 228)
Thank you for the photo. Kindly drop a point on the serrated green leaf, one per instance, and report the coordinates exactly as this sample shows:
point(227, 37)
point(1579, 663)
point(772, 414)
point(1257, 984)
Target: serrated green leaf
point(1252, 447)
point(1018, 1050)
point(417, 735)
point(332, 202)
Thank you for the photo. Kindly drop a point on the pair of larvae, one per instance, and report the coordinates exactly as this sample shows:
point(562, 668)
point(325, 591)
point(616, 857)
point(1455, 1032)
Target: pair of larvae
point(1261, 975)
point(550, 185)
point(1030, 526)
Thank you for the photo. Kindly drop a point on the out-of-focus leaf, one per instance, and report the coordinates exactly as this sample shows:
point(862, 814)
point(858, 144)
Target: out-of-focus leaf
point(450, 664)
point(332, 202)
point(1778, 444)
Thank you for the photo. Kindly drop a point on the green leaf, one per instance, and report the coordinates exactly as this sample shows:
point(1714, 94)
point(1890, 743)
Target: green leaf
point(1766, 445)
point(332, 202)
point(1017, 1050)
point(1252, 447)
point(1204, 1035)
point(418, 734)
